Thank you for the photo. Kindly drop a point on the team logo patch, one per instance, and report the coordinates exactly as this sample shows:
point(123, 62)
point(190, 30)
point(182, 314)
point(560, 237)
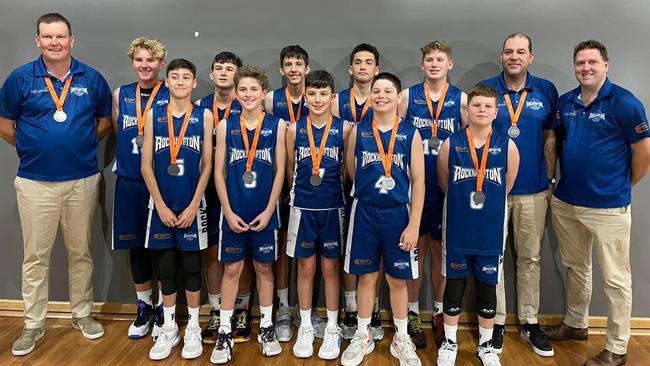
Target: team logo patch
point(597, 116)
point(190, 236)
point(534, 104)
point(265, 249)
point(162, 101)
point(235, 132)
point(401, 265)
point(334, 131)
point(194, 120)
point(366, 134)
point(362, 262)
point(461, 149)
point(307, 244)
point(162, 236)
point(232, 250)
point(330, 244)
point(455, 265)
point(573, 113)
point(400, 137)
point(266, 132)
point(419, 101)
point(126, 237)
point(495, 150)
point(487, 311)
point(162, 119)
point(78, 90)
point(128, 100)
point(302, 130)
point(449, 103)
point(489, 269)
point(641, 127)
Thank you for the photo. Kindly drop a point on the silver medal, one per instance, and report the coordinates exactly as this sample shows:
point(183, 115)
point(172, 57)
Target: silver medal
point(248, 177)
point(60, 116)
point(478, 197)
point(388, 183)
point(315, 180)
point(174, 170)
point(434, 143)
point(139, 141)
point(513, 132)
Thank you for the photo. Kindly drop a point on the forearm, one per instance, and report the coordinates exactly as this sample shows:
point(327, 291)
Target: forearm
point(8, 131)
point(639, 168)
point(275, 191)
point(152, 186)
point(550, 154)
point(200, 187)
point(417, 204)
point(104, 128)
point(220, 183)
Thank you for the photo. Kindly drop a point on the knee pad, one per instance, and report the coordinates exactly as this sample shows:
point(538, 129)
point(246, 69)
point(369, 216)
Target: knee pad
point(141, 268)
point(167, 265)
point(192, 270)
point(453, 297)
point(486, 300)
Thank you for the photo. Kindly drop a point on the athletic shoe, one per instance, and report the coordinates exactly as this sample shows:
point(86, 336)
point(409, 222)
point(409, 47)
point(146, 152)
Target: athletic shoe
point(192, 347)
point(222, 352)
point(211, 330)
point(439, 329)
point(304, 346)
point(331, 347)
point(447, 353)
point(143, 320)
point(534, 335)
point(497, 337)
point(88, 326)
point(269, 341)
point(349, 326)
point(415, 330)
point(361, 345)
point(27, 341)
point(316, 322)
point(403, 349)
point(159, 320)
point(167, 340)
point(283, 324)
point(242, 330)
point(375, 327)
point(488, 355)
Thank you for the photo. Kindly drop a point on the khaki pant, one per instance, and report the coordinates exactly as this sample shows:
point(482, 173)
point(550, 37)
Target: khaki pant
point(578, 229)
point(528, 214)
point(42, 205)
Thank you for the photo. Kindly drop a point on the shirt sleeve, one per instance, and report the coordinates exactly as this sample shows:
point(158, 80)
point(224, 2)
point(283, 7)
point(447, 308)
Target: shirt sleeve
point(103, 97)
point(11, 97)
point(630, 116)
point(553, 98)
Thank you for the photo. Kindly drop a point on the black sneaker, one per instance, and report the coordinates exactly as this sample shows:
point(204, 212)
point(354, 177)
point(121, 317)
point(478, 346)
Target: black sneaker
point(497, 337)
point(143, 321)
point(242, 331)
point(349, 326)
point(376, 330)
point(534, 335)
point(158, 321)
point(210, 333)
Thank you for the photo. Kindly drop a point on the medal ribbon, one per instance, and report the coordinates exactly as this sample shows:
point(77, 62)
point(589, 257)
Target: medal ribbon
point(480, 171)
point(138, 107)
point(353, 107)
point(386, 158)
point(175, 144)
point(316, 157)
point(514, 116)
point(250, 152)
point(441, 102)
point(215, 110)
point(292, 116)
point(58, 101)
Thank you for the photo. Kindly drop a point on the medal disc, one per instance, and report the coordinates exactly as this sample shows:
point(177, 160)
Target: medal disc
point(315, 180)
point(248, 177)
point(478, 198)
point(388, 183)
point(434, 143)
point(513, 132)
point(174, 169)
point(139, 141)
point(60, 116)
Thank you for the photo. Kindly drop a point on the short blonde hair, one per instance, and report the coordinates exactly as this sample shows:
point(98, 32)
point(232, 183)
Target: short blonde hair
point(253, 72)
point(438, 45)
point(152, 45)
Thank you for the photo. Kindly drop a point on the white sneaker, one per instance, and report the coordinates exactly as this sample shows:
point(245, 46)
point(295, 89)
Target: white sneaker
point(304, 346)
point(167, 340)
point(269, 341)
point(487, 355)
point(222, 352)
point(447, 353)
point(143, 321)
point(192, 342)
point(283, 324)
point(403, 349)
point(331, 347)
point(360, 345)
point(317, 323)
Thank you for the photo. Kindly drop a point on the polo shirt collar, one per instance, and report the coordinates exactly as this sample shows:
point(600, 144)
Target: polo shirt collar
point(603, 93)
point(502, 87)
point(41, 69)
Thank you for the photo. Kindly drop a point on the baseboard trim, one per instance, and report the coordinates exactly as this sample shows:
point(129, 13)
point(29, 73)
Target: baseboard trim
point(118, 311)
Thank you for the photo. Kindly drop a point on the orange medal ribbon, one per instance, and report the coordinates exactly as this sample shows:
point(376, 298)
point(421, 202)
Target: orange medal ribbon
point(58, 101)
point(316, 157)
point(175, 144)
point(441, 102)
point(138, 107)
point(250, 152)
point(386, 157)
point(353, 107)
point(215, 110)
point(514, 116)
point(292, 116)
point(480, 170)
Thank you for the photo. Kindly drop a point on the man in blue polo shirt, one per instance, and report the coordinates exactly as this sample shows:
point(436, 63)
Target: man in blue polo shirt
point(603, 131)
point(527, 107)
point(54, 110)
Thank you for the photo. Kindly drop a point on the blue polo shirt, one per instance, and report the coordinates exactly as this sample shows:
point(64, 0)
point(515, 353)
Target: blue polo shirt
point(537, 115)
point(49, 150)
point(596, 152)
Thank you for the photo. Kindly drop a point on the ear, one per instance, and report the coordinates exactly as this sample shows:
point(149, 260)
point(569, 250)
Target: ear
point(307, 69)
point(451, 64)
point(71, 41)
point(350, 70)
point(194, 83)
point(532, 57)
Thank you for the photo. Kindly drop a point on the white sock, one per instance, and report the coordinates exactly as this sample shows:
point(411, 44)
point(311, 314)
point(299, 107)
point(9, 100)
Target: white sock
point(170, 315)
point(242, 301)
point(414, 307)
point(266, 315)
point(332, 318)
point(215, 301)
point(194, 316)
point(160, 298)
point(484, 335)
point(437, 308)
point(224, 324)
point(305, 318)
point(283, 294)
point(363, 324)
point(450, 332)
point(350, 300)
point(145, 296)
point(401, 326)
point(376, 305)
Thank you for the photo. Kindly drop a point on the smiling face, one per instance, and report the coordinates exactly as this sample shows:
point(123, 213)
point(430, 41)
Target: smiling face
point(482, 110)
point(364, 67)
point(590, 68)
point(55, 41)
point(385, 96)
point(294, 69)
point(516, 56)
point(146, 66)
point(180, 83)
point(250, 93)
point(436, 65)
point(319, 100)
point(223, 75)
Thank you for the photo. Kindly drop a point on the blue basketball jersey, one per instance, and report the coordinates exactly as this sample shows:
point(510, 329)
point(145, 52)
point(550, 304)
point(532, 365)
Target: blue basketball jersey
point(345, 110)
point(449, 123)
point(178, 191)
point(235, 107)
point(249, 200)
point(369, 173)
point(468, 227)
point(329, 194)
point(127, 155)
point(281, 109)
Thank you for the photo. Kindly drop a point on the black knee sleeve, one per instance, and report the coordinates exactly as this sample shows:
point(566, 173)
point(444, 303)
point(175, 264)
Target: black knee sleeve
point(141, 269)
point(192, 270)
point(453, 298)
point(486, 300)
point(167, 265)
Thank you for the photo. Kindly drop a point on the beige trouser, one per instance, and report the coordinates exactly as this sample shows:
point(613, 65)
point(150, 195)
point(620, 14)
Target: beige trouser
point(577, 229)
point(42, 205)
point(528, 213)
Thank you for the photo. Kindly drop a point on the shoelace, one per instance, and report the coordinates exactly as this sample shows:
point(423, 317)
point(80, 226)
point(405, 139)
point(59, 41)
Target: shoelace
point(407, 349)
point(223, 341)
point(267, 334)
point(447, 346)
point(304, 334)
point(31, 332)
point(488, 353)
point(332, 335)
point(415, 325)
point(242, 320)
point(192, 334)
point(165, 336)
point(213, 322)
point(357, 342)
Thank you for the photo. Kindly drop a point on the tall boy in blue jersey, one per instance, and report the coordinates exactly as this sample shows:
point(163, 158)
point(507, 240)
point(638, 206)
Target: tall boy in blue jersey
point(353, 105)
point(222, 103)
point(54, 110)
point(131, 103)
point(315, 146)
point(249, 172)
point(176, 165)
point(437, 110)
point(527, 106)
point(477, 168)
point(604, 134)
point(386, 160)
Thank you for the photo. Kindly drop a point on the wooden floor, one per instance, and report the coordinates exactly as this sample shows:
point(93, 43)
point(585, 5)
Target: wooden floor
point(62, 345)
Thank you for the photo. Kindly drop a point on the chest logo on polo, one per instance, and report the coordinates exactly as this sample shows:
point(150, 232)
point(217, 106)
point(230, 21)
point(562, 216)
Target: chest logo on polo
point(597, 116)
point(78, 90)
point(240, 154)
point(368, 157)
point(491, 175)
point(534, 104)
